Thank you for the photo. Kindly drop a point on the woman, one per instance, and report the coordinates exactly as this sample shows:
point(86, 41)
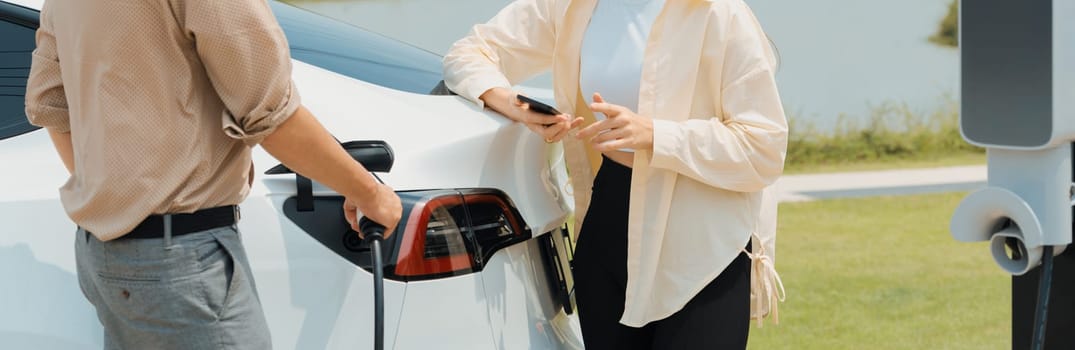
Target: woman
point(688, 132)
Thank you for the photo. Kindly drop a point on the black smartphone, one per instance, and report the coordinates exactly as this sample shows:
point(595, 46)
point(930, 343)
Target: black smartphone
point(537, 106)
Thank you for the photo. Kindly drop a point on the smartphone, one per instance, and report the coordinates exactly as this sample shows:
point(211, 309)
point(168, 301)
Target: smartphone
point(537, 106)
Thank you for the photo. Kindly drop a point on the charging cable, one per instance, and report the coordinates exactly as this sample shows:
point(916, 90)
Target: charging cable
point(1042, 310)
point(374, 233)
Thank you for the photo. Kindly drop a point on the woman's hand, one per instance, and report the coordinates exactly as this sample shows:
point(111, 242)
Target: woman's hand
point(552, 128)
point(622, 128)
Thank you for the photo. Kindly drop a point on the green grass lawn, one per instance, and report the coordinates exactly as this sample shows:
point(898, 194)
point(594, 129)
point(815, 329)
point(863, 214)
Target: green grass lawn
point(884, 273)
point(954, 159)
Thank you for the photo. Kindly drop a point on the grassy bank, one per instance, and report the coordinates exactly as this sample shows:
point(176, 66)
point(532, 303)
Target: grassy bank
point(947, 160)
point(893, 136)
point(884, 273)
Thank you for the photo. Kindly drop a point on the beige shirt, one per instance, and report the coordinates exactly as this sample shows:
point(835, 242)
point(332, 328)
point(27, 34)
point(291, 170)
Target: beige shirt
point(720, 135)
point(163, 100)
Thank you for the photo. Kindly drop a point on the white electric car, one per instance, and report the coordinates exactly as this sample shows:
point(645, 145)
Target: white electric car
point(479, 260)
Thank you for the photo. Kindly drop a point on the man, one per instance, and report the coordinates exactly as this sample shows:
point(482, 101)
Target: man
point(153, 106)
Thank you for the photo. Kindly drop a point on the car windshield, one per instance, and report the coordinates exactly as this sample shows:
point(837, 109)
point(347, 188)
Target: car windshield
point(357, 53)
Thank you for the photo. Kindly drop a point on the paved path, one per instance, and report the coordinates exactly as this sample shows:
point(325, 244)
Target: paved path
point(796, 188)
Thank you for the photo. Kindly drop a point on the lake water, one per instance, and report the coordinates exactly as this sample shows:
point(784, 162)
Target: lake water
point(838, 57)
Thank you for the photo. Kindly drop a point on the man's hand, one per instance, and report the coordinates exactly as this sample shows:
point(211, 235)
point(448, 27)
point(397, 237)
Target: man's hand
point(552, 128)
point(383, 207)
point(622, 129)
point(303, 145)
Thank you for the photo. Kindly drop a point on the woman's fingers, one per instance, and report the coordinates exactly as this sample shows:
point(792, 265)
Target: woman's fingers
point(568, 126)
point(526, 115)
point(532, 117)
point(536, 128)
point(614, 134)
point(600, 106)
point(608, 109)
point(555, 131)
point(551, 132)
point(600, 127)
point(559, 135)
point(594, 129)
point(554, 128)
point(612, 145)
point(575, 123)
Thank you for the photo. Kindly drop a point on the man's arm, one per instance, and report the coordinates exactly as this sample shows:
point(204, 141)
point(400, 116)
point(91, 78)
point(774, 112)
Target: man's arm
point(304, 146)
point(307, 148)
point(245, 55)
point(46, 100)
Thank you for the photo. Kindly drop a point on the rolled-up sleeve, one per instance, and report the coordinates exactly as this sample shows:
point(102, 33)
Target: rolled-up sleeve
point(46, 100)
point(246, 56)
point(743, 151)
point(514, 45)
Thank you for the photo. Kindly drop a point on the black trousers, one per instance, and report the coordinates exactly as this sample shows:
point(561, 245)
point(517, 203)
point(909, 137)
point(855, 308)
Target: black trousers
point(717, 318)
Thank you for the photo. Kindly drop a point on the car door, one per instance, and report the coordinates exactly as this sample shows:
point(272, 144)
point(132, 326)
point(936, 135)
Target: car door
point(41, 304)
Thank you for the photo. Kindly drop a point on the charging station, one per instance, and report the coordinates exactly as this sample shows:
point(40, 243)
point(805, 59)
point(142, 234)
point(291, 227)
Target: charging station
point(1018, 101)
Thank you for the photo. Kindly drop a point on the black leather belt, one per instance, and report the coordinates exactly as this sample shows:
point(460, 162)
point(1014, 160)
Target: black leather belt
point(205, 219)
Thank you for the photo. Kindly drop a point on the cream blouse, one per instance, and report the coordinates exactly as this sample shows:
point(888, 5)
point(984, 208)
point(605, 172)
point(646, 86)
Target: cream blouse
point(720, 136)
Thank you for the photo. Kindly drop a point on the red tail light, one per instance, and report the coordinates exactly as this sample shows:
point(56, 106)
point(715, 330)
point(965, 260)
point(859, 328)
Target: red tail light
point(494, 223)
point(433, 243)
point(453, 234)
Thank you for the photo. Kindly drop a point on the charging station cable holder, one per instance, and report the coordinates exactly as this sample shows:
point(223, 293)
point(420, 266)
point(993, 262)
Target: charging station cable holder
point(1026, 206)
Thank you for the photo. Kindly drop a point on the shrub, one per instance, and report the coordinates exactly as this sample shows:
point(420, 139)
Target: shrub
point(892, 131)
point(948, 33)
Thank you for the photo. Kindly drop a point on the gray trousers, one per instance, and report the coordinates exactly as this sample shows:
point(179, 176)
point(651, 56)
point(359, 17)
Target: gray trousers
point(193, 291)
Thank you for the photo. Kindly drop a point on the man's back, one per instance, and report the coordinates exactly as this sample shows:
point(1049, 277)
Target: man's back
point(162, 98)
point(153, 106)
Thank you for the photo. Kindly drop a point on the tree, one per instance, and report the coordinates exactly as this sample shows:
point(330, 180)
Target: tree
point(948, 33)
